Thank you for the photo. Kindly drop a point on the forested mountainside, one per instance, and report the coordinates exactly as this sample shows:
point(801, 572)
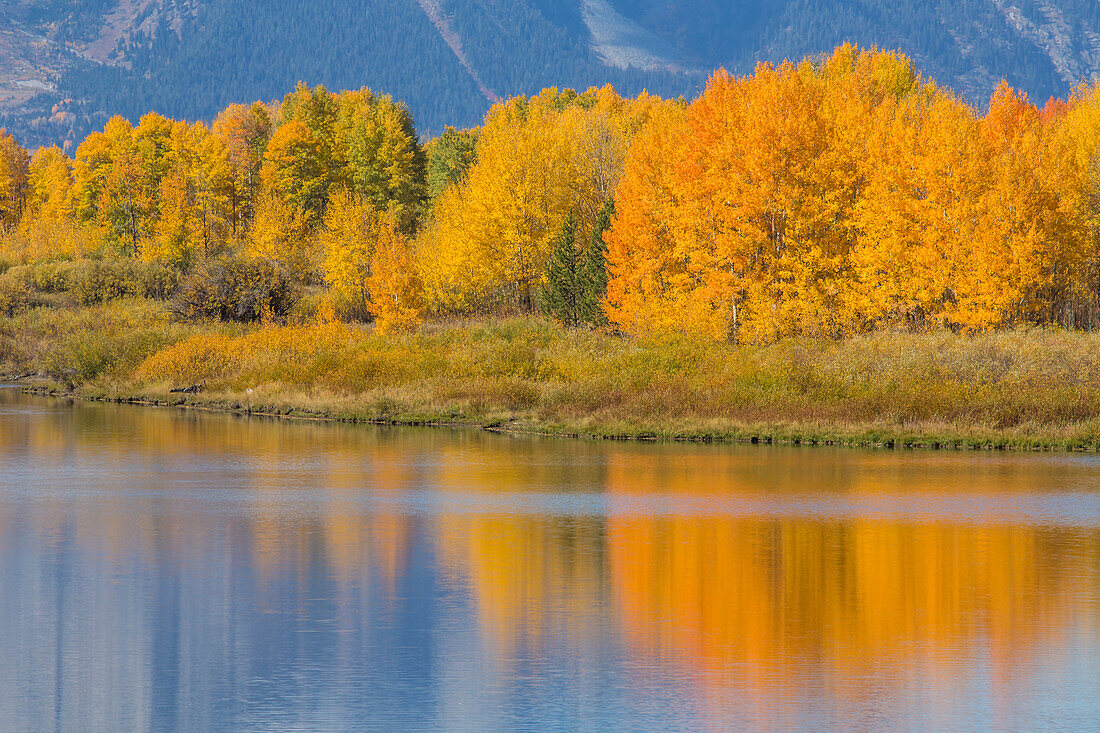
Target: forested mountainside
point(66, 65)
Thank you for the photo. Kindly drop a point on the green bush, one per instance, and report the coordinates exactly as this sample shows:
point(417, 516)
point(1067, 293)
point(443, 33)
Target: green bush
point(14, 296)
point(157, 280)
point(235, 289)
point(101, 281)
point(308, 306)
point(84, 355)
point(52, 277)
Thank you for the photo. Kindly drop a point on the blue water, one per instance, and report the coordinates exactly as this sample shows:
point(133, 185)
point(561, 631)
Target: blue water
point(172, 571)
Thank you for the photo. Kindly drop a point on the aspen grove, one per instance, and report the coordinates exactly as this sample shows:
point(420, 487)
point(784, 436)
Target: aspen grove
point(826, 198)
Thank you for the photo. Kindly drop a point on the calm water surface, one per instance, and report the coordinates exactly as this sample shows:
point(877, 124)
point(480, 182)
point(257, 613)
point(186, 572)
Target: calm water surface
point(166, 571)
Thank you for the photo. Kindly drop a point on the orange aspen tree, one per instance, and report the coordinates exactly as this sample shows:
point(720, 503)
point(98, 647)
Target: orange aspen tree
point(1072, 167)
point(14, 162)
point(394, 287)
point(1012, 263)
point(643, 267)
point(760, 189)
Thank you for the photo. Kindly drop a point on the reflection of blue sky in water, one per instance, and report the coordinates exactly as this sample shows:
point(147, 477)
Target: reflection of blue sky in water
point(173, 571)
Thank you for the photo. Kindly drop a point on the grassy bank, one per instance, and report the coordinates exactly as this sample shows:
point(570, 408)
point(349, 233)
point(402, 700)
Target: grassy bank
point(1033, 389)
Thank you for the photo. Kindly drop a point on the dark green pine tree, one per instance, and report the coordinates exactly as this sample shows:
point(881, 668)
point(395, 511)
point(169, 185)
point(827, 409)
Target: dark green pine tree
point(561, 296)
point(593, 275)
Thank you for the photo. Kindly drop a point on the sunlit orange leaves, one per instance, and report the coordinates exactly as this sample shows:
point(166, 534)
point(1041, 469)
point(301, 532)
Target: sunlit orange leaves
point(835, 197)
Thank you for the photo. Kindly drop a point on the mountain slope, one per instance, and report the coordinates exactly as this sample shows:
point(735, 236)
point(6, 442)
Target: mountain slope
point(65, 65)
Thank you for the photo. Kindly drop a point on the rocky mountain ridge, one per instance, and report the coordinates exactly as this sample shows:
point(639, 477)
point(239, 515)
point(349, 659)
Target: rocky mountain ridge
point(66, 65)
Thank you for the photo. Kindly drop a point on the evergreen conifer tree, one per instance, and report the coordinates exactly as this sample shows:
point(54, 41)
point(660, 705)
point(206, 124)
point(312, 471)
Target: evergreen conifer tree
point(561, 296)
point(593, 276)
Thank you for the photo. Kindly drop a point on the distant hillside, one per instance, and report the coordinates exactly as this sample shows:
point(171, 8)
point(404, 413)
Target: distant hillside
point(65, 65)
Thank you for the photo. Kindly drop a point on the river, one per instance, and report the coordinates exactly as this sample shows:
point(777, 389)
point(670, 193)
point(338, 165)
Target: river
point(166, 570)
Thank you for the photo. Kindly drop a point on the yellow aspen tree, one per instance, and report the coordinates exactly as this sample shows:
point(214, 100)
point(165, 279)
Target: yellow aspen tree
point(491, 237)
point(14, 163)
point(394, 287)
point(193, 219)
point(294, 170)
point(348, 238)
point(211, 172)
point(48, 227)
point(178, 227)
point(244, 131)
point(537, 161)
point(281, 234)
point(109, 186)
point(1072, 170)
point(50, 183)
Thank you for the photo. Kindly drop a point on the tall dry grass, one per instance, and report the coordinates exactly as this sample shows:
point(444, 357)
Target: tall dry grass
point(79, 346)
point(1022, 383)
point(1025, 388)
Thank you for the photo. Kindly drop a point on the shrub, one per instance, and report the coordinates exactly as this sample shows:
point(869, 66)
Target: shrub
point(14, 296)
point(156, 279)
point(235, 289)
point(85, 352)
point(51, 277)
point(101, 281)
point(310, 307)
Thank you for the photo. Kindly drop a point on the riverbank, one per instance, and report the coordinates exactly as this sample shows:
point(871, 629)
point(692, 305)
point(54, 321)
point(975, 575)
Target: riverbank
point(1028, 390)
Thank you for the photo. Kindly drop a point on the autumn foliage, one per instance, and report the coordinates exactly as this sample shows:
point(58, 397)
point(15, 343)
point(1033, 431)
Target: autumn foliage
point(836, 197)
point(830, 197)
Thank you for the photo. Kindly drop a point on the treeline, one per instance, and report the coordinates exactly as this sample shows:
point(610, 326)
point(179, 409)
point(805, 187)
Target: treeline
point(839, 197)
point(825, 198)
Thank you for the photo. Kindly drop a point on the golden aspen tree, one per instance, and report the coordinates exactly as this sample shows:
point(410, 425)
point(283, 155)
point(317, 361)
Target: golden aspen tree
point(955, 220)
point(193, 201)
point(14, 163)
point(281, 234)
point(50, 184)
point(491, 237)
point(215, 189)
point(348, 238)
point(1011, 268)
point(48, 227)
point(1072, 167)
point(244, 131)
point(294, 170)
point(106, 185)
point(178, 226)
point(756, 196)
point(538, 160)
point(913, 212)
point(394, 287)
